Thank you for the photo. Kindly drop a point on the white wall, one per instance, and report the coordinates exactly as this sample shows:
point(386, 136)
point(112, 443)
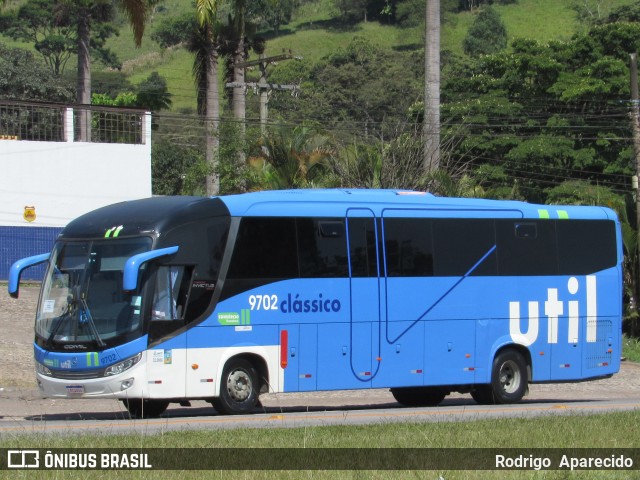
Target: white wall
point(63, 180)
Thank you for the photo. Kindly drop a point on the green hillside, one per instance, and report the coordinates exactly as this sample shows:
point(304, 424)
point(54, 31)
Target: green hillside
point(316, 31)
point(313, 33)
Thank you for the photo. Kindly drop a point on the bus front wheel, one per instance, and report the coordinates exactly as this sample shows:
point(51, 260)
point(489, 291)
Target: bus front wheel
point(508, 380)
point(238, 388)
point(139, 408)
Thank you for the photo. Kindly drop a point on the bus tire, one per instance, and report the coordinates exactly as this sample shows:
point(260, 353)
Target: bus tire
point(139, 408)
point(239, 389)
point(419, 396)
point(508, 380)
point(483, 395)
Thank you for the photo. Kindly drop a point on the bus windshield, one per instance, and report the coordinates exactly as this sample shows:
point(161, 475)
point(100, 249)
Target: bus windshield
point(82, 301)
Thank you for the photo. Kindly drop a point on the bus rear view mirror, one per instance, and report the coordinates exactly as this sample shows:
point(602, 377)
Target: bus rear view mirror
point(133, 264)
point(18, 267)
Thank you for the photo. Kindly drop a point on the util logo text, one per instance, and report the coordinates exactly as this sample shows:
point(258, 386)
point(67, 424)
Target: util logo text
point(553, 309)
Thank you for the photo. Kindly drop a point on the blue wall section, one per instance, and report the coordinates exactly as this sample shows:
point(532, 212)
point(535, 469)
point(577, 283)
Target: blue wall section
point(21, 242)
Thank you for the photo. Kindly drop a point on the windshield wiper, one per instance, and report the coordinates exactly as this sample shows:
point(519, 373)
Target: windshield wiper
point(60, 319)
point(85, 317)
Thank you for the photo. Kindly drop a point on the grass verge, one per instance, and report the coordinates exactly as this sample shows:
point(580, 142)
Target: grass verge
point(631, 348)
point(611, 431)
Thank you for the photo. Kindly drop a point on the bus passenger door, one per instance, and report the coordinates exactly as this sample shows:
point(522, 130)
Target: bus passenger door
point(167, 357)
point(298, 357)
point(364, 293)
point(345, 355)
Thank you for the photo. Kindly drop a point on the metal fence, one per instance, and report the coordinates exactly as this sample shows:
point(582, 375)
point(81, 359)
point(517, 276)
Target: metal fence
point(59, 123)
point(23, 121)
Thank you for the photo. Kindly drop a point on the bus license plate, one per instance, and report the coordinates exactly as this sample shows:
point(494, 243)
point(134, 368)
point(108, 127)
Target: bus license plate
point(75, 390)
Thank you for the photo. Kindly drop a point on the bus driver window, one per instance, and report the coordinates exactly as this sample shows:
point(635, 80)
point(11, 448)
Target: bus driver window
point(170, 293)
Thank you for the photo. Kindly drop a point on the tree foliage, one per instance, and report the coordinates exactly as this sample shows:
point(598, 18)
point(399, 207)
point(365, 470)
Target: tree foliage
point(471, 4)
point(295, 158)
point(486, 35)
point(624, 13)
point(174, 31)
point(41, 22)
point(23, 77)
point(544, 113)
point(360, 82)
point(177, 169)
point(153, 93)
point(352, 10)
point(274, 13)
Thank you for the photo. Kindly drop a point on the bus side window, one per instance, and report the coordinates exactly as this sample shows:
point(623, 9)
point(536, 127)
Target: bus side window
point(362, 247)
point(527, 248)
point(322, 248)
point(409, 247)
point(586, 246)
point(170, 295)
point(459, 243)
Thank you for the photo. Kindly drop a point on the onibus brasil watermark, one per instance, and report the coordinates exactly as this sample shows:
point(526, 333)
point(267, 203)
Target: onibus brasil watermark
point(26, 459)
point(228, 458)
point(566, 461)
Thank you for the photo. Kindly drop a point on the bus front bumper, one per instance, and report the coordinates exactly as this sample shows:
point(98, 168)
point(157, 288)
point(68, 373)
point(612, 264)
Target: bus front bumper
point(128, 384)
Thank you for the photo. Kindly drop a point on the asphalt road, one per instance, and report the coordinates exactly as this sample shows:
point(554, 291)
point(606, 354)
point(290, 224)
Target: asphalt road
point(619, 393)
point(202, 418)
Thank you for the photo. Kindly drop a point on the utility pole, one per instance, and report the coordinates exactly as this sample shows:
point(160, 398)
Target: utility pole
point(635, 123)
point(262, 87)
point(431, 122)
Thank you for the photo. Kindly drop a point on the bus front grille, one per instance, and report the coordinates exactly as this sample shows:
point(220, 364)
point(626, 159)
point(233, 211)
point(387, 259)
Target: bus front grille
point(77, 375)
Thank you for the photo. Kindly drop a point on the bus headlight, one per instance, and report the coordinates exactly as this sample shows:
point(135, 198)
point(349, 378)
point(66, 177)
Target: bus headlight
point(42, 370)
point(123, 366)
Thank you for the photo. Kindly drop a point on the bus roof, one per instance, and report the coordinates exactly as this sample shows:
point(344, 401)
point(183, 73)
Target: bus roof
point(334, 203)
point(148, 215)
point(160, 214)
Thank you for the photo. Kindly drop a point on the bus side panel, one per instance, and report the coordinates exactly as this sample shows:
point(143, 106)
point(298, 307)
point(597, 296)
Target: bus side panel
point(602, 356)
point(579, 326)
point(308, 358)
point(166, 367)
point(344, 356)
point(450, 352)
point(570, 324)
point(400, 363)
point(299, 349)
point(485, 333)
point(492, 336)
point(598, 357)
point(210, 348)
point(566, 355)
point(438, 312)
point(290, 355)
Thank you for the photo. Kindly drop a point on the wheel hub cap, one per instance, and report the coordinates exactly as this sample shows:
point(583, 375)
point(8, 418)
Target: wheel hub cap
point(239, 385)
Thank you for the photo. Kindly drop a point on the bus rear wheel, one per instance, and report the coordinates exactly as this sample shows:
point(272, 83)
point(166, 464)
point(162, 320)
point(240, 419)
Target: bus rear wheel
point(508, 380)
point(239, 388)
point(139, 408)
point(419, 396)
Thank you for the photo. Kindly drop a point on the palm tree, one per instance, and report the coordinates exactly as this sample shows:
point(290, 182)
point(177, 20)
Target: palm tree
point(86, 12)
point(205, 70)
point(239, 56)
point(235, 44)
point(431, 123)
point(295, 158)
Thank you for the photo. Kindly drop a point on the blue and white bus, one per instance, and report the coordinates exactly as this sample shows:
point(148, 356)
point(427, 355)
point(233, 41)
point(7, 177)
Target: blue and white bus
point(172, 299)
